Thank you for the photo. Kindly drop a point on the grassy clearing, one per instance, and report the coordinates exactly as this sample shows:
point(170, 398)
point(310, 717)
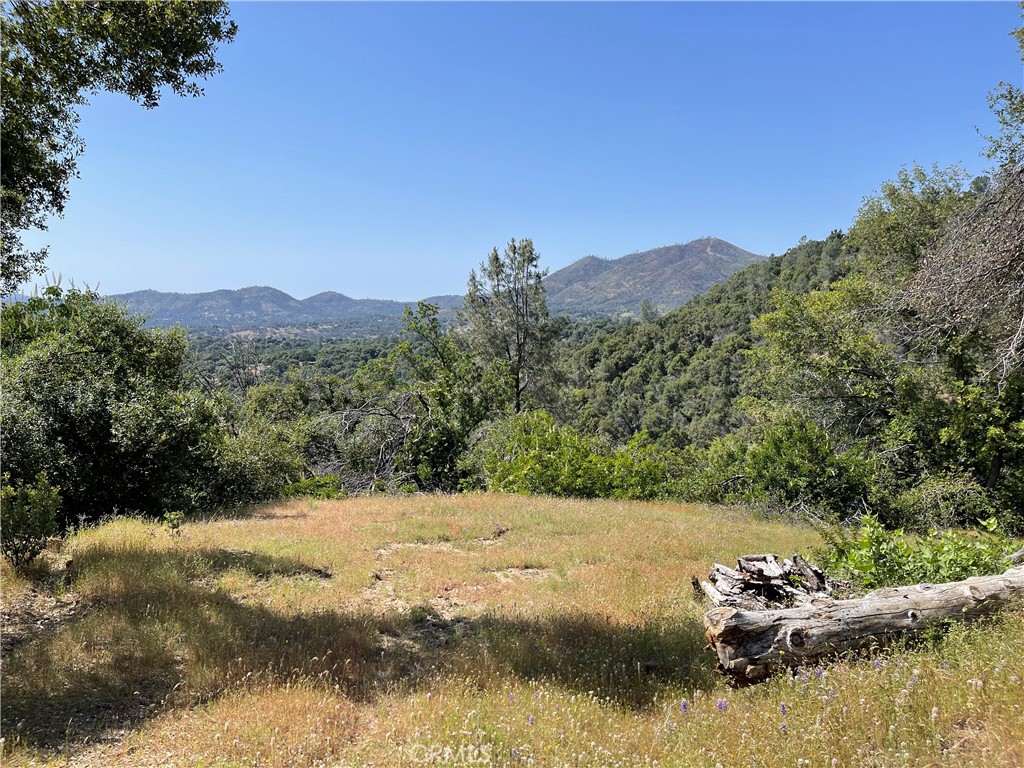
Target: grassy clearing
point(471, 630)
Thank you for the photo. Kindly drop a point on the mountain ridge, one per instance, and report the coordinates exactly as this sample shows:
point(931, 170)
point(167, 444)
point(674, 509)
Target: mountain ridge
point(668, 276)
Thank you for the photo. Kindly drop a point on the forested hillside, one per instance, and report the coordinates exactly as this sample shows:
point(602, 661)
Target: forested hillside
point(679, 376)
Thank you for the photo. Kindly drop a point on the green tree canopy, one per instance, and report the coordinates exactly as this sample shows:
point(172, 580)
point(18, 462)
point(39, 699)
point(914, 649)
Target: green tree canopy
point(104, 407)
point(57, 53)
point(505, 317)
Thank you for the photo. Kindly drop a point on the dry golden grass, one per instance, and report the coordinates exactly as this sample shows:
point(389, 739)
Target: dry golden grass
point(470, 630)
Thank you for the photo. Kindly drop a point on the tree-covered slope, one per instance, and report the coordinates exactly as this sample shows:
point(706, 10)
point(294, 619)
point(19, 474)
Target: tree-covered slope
point(667, 277)
point(679, 377)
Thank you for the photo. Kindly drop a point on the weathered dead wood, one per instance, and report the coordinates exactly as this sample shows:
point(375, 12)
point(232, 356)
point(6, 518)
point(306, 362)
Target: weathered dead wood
point(751, 644)
point(760, 582)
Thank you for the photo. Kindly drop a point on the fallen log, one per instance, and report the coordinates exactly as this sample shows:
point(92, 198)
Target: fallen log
point(752, 644)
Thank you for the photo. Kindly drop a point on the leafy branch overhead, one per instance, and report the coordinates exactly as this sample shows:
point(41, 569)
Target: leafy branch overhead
point(55, 55)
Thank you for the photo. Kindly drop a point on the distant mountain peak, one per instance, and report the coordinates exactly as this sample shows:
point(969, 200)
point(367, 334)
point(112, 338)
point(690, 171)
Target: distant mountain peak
point(668, 276)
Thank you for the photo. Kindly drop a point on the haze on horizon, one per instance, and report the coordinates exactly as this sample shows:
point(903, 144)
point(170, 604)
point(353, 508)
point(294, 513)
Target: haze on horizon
point(381, 150)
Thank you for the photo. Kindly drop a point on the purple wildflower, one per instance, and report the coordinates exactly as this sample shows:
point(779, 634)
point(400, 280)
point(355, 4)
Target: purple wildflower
point(683, 706)
point(511, 697)
point(783, 728)
point(783, 709)
point(530, 719)
point(722, 705)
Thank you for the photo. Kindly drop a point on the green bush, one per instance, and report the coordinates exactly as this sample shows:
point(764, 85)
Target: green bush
point(255, 464)
point(323, 487)
point(532, 454)
point(717, 473)
point(942, 500)
point(875, 556)
point(642, 470)
point(104, 406)
point(794, 464)
point(29, 514)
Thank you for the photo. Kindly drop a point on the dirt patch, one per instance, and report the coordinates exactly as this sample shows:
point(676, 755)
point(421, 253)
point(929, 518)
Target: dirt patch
point(495, 538)
point(34, 614)
point(398, 546)
point(380, 594)
point(41, 609)
point(519, 573)
point(437, 623)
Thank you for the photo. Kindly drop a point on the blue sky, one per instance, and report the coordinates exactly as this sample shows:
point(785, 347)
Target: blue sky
point(382, 149)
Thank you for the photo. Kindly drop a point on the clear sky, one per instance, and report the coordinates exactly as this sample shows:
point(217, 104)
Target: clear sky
point(382, 149)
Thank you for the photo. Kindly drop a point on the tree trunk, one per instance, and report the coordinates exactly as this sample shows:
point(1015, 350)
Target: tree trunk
point(752, 644)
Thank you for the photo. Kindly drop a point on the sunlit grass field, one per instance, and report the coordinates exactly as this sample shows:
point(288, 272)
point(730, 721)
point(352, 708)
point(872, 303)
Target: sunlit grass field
point(469, 630)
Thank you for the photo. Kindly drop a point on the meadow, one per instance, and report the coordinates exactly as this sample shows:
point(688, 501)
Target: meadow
point(479, 629)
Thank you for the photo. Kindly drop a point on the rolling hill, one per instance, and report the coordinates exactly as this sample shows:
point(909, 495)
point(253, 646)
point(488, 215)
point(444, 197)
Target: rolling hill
point(261, 307)
point(667, 276)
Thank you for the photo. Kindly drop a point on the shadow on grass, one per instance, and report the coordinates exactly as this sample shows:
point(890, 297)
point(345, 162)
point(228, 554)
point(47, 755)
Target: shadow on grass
point(628, 664)
point(158, 633)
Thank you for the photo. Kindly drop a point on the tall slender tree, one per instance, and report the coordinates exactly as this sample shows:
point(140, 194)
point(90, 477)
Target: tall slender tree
point(505, 318)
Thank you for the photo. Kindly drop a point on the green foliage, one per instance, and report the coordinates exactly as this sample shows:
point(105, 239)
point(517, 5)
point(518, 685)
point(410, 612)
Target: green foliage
point(1007, 104)
point(54, 54)
point(795, 463)
point(894, 227)
point(875, 556)
point(944, 499)
point(643, 470)
point(505, 318)
point(680, 377)
point(323, 487)
point(254, 464)
point(104, 408)
point(107, 409)
point(173, 521)
point(908, 399)
point(530, 453)
point(29, 518)
point(455, 391)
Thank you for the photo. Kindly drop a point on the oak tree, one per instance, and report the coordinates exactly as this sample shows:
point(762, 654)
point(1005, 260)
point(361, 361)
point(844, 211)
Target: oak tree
point(56, 54)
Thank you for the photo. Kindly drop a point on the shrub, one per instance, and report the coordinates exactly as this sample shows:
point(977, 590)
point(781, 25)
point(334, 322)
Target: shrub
point(794, 463)
point(642, 470)
point(323, 487)
point(878, 557)
point(718, 473)
point(256, 464)
point(104, 406)
point(29, 518)
point(532, 454)
point(943, 500)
